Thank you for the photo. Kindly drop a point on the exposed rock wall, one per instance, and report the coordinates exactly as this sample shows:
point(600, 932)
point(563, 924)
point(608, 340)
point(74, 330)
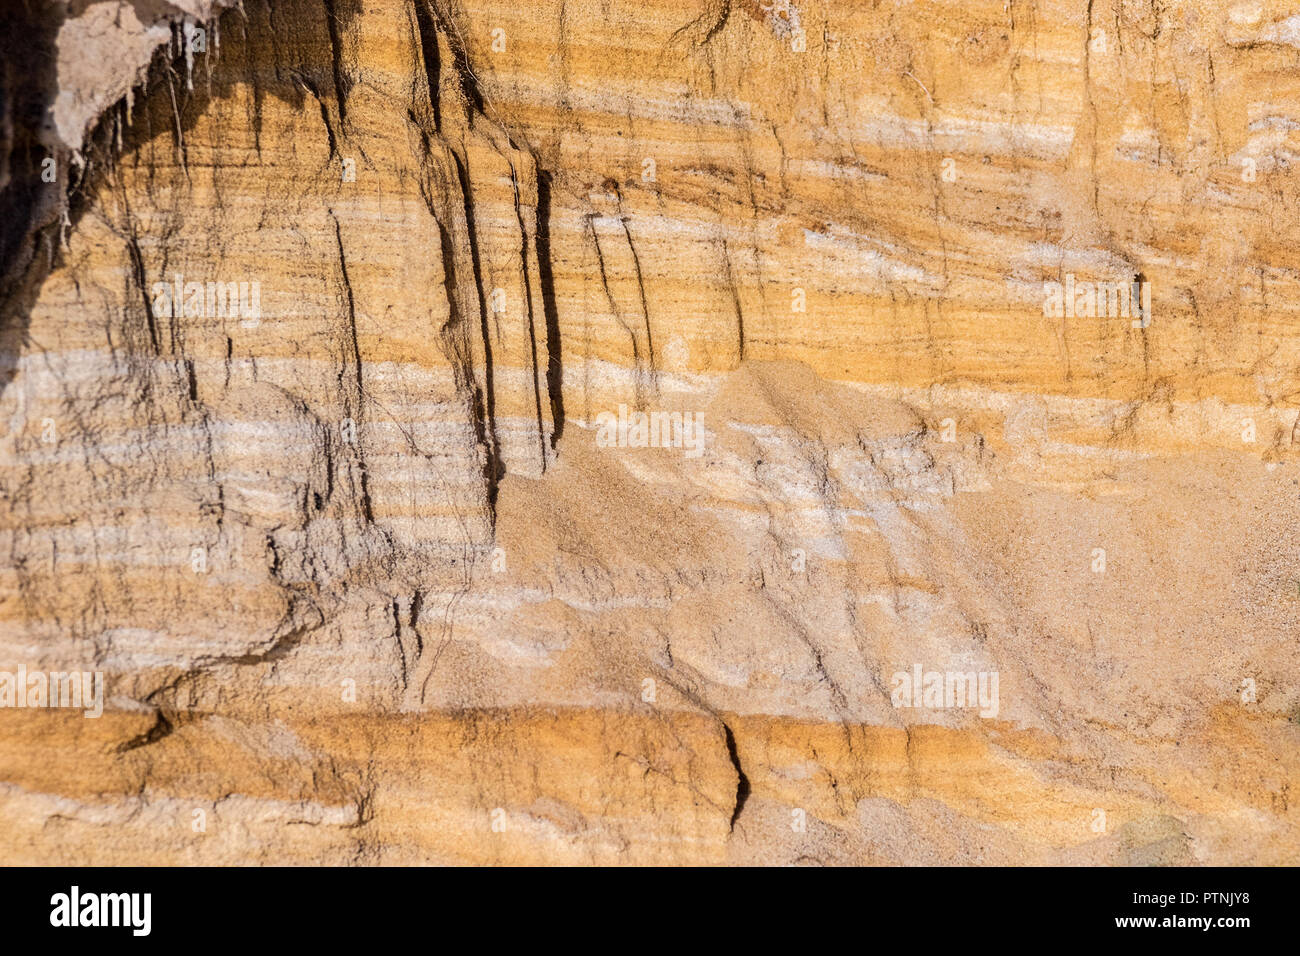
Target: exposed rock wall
point(366, 582)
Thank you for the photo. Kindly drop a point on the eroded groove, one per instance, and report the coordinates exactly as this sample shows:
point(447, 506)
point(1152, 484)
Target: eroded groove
point(742, 781)
point(162, 727)
point(428, 39)
point(310, 86)
point(482, 401)
point(532, 325)
point(637, 361)
point(466, 79)
point(366, 508)
point(735, 300)
point(640, 287)
point(550, 310)
point(137, 270)
point(342, 84)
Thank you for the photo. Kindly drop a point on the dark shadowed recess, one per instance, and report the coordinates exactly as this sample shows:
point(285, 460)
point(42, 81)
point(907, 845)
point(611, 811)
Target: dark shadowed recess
point(30, 209)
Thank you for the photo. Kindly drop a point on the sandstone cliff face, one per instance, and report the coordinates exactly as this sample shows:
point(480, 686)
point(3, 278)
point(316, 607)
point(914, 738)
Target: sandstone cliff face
point(371, 577)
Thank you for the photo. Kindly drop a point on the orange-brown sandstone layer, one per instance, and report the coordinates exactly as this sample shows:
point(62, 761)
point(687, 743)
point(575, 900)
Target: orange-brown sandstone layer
point(636, 786)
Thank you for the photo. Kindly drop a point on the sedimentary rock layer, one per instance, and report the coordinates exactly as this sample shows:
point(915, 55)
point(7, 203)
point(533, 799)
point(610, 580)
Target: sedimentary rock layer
point(324, 352)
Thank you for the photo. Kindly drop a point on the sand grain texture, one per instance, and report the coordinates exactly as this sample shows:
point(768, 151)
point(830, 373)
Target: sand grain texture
point(367, 587)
